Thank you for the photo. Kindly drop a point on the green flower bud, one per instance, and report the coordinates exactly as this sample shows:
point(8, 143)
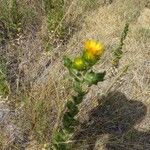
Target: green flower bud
point(79, 64)
point(91, 59)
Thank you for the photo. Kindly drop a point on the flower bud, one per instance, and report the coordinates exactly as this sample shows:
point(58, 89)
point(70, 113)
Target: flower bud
point(90, 58)
point(79, 64)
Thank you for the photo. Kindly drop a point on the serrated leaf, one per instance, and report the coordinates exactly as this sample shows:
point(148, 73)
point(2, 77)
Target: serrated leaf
point(67, 120)
point(72, 108)
point(70, 104)
point(79, 98)
point(77, 86)
point(74, 111)
point(93, 78)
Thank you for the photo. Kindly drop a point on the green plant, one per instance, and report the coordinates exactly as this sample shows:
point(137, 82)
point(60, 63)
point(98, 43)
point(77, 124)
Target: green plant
point(83, 77)
point(117, 53)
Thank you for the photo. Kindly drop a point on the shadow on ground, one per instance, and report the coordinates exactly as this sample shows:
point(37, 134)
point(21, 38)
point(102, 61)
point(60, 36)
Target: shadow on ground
point(116, 117)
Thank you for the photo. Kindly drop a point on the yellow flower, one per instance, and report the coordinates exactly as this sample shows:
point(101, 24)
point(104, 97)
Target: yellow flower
point(93, 47)
point(79, 63)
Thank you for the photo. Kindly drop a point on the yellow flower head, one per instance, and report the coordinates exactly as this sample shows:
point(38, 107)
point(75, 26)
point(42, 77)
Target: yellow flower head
point(79, 63)
point(93, 47)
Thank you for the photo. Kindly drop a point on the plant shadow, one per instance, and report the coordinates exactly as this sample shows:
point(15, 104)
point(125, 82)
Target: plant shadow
point(116, 117)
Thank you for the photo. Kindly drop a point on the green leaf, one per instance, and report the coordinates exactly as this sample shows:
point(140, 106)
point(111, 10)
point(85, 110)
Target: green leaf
point(74, 111)
point(77, 86)
point(70, 104)
point(72, 108)
point(60, 146)
point(59, 137)
point(59, 141)
point(68, 119)
point(67, 62)
point(93, 78)
point(78, 99)
point(75, 74)
point(70, 130)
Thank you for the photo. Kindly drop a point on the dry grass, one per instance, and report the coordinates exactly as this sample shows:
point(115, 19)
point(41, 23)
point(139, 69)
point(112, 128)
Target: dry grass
point(45, 82)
